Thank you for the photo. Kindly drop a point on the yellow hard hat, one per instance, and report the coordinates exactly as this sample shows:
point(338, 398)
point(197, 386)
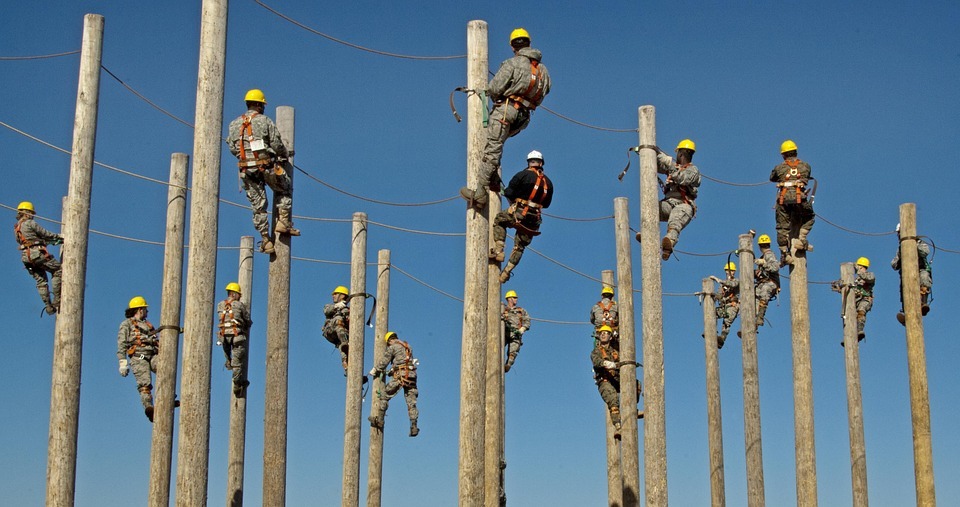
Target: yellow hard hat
point(519, 33)
point(688, 144)
point(341, 290)
point(234, 286)
point(863, 261)
point(255, 95)
point(390, 334)
point(763, 239)
point(511, 294)
point(788, 145)
point(606, 290)
point(604, 328)
point(25, 206)
point(730, 267)
point(137, 302)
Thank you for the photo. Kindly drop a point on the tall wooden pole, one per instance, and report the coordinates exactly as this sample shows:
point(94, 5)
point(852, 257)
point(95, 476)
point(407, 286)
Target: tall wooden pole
point(193, 449)
point(354, 398)
point(851, 353)
point(382, 325)
point(68, 339)
point(655, 430)
point(714, 419)
point(614, 470)
point(751, 377)
point(493, 459)
point(473, 351)
point(916, 356)
point(630, 441)
point(238, 405)
point(806, 457)
point(278, 345)
point(161, 453)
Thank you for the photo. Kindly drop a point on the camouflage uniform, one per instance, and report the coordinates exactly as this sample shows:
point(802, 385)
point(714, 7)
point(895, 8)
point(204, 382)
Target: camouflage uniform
point(767, 277)
point(403, 374)
point(794, 211)
point(728, 306)
point(33, 240)
point(137, 340)
point(608, 379)
point(606, 312)
point(678, 206)
point(260, 167)
point(926, 275)
point(863, 289)
point(517, 322)
point(529, 192)
point(516, 91)
point(336, 329)
point(234, 326)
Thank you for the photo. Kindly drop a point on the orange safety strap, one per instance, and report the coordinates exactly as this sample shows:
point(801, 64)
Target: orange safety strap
point(403, 375)
point(245, 130)
point(799, 188)
point(138, 338)
point(228, 309)
point(24, 244)
point(533, 192)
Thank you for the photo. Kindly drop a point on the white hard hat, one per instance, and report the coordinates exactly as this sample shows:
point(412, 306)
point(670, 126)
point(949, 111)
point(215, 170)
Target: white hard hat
point(535, 155)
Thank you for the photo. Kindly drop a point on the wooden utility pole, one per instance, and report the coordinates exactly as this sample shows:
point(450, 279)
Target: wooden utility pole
point(494, 461)
point(473, 351)
point(238, 404)
point(751, 377)
point(382, 325)
point(68, 339)
point(655, 430)
point(916, 356)
point(714, 419)
point(630, 441)
point(278, 344)
point(193, 450)
point(614, 469)
point(161, 453)
point(851, 353)
point(806, 457)
point(354, 396)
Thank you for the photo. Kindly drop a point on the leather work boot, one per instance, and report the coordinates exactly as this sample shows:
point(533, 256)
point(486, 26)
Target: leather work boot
point(496, 253)
point(149, 412)
point(285, 224)
point(639, 414)
point(50, 309)
point(667, 245)
point(266, 246)
point(638, 237)
point(476, 199)
point(509, 364)
point(901, 318)
point(414, 430)
point(376, 421)
point(506, 273)
point(721, 338)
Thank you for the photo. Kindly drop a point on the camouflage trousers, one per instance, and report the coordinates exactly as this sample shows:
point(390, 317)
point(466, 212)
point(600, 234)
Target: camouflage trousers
point(677, 214)
point(391, 389)
point(864, 304)
point(339, 336)
point(142, 365)
point(255, 182)
point(38, 264)
point(610, 394)
point(729, 313)
point(509, 217)
point(505, 122)
point(514, 342)
point(791, 218)
point(235, 348)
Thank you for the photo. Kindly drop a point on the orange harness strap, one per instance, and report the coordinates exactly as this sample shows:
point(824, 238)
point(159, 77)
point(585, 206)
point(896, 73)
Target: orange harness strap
point(138, 340)
point(25, 245)
point(799, 185)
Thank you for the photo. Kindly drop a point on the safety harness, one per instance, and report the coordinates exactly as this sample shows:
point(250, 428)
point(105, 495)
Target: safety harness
point(687, 195)
point(792, 180)
point(229, 326)
point(141, 338)
point(253, 162)
point(521, 207)
point(603, 374)
point(607, 318)
point(531, 97)
point(26, 244)
point(507, 312)
point(401, 371)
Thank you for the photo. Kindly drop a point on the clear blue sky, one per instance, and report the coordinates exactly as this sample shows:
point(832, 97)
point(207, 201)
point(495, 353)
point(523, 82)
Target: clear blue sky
point(868, 90)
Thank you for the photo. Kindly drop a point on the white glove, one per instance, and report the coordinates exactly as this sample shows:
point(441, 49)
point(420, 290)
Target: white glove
point(759, 262)
point(610, 365)
point(340, 305)
point(219, 343)
point(374, 372)
point(522, 330)
point(124, 368)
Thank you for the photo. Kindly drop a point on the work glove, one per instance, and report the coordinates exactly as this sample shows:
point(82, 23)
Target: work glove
point(124, 368)
point(219, 343)
point(522, 330)
point(340, 305)
point(759, 262)
point(374, 373)
point(610, 365)
point(58, 240)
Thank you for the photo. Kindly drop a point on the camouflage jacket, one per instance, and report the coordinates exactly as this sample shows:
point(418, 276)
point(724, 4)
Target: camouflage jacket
point(234, 318)
point(339, 317)
point(514, 78)
point(605, 312)
point(29, 233)
point(262, 128)
point(401, 356)
point(136, 337)
point(769, 271)
point(683, 182)
point(864, 284)
point(515, 318)
point(603, 353)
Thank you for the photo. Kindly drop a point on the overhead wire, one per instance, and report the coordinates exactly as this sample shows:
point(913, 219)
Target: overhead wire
point(38, 57)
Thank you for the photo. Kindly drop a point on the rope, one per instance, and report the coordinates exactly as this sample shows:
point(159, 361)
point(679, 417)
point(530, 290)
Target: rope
point(425, 284)
point(37, 57)
point(415, 231)
point(375, 201)
point(597, 219)
point(320, 261)
point(564, 266)
point(853, 231)
point(354, 46)
point(582, 124)
point(148, 101)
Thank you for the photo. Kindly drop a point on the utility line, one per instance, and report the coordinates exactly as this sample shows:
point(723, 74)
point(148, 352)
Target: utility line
point(354, 46)
point(37, 57)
